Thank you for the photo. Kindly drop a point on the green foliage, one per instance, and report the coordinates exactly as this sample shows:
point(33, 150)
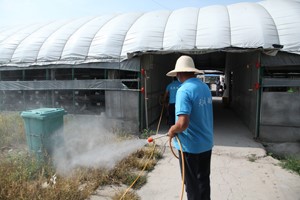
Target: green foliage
point(252, 158)
point(131, 195)
point(24, 177)
point(126, 171)
point(25, 167)
point(288, 162)
point(21, 174)
point(11, 129)
point(146, 133)
point(132, 177)
point(291, 163)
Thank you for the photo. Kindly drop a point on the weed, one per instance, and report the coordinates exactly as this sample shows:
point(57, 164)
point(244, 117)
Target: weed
point(124, 170)
point(131, 195)
point(146, 133)
point(288, 162)
point(291, 163)
point(252, 158)
point(25, 177)
point(132, 177)
point(11, 129)
point(270, 154)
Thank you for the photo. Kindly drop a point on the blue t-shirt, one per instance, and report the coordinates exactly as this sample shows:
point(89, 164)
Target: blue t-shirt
point(172, 89)
point(194, 99)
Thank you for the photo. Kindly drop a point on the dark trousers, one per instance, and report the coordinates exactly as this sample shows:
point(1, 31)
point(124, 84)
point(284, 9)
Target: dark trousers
point(197, 175)
point(171, 109)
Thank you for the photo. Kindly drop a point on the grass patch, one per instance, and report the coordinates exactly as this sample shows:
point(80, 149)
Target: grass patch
point(127, 170)
point(24, 177)
point(291, 163)
point(11, 129)
point(131, 195)
point(288, 162)
point(252, 158)
point(146, 133)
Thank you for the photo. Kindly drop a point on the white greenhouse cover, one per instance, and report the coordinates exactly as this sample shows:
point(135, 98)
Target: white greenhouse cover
point(111, 38)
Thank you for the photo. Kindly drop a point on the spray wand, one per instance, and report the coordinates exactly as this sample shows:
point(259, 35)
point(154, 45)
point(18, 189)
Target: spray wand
point(151, 139)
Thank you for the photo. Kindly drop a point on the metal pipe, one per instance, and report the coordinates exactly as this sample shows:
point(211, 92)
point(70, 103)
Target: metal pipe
point(146, 99)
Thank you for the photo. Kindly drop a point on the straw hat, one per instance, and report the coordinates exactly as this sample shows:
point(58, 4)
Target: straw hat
point(184, 64)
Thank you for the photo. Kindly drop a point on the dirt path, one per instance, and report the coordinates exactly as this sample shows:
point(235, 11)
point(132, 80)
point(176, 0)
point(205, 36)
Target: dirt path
point(237, 173)
point(240, 168)
point(252, 176)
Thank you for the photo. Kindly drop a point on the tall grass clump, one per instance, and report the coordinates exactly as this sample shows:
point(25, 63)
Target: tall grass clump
point(24, 177)
point(291, 163)
point(146, 133)
point(131, 195)
point(11, 129)
point(127, 170)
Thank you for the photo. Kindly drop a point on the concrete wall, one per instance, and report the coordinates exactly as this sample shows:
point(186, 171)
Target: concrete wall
point(241, 67)
point(123, 108)
point(280, 117)
point(156, 66)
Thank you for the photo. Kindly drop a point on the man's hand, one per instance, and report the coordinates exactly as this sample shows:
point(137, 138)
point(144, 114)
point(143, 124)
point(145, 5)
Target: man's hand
point(171, 132)
point(181, 124)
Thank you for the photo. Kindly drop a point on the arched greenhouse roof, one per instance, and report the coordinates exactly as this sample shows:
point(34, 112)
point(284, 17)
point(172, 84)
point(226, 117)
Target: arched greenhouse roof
point(110, 38)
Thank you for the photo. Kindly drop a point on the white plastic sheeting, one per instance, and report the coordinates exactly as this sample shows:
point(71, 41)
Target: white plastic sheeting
point(111, 38)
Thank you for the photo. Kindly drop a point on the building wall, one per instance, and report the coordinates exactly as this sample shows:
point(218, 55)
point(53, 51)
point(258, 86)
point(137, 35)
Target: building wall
point(280, 117)
point(123, 108)
point(243, 74)
point(77, 90)
point(156, 68)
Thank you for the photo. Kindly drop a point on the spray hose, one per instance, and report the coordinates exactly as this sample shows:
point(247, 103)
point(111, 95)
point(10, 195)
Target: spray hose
point(182, 163)
point(140, 174)
point(152, 140)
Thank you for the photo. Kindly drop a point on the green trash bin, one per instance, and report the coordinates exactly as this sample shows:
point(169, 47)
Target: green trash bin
point(43, 128)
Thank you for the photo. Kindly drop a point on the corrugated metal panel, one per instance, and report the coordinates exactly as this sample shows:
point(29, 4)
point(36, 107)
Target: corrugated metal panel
point(65, 85)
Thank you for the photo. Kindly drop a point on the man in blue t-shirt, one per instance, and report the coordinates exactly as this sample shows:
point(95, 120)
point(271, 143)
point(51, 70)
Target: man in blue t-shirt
point(171, 91)
point(193, 127)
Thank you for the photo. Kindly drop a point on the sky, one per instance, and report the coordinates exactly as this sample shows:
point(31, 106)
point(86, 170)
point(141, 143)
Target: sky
point(18, 12)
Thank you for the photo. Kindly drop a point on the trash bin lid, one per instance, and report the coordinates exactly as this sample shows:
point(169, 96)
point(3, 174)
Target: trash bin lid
point(43, 113)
